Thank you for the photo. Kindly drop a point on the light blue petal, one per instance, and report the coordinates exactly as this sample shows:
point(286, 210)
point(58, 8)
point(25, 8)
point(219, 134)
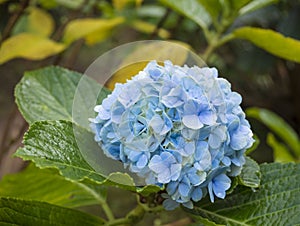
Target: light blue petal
point(221, 183)
point(226, 161)
point(175, 171)
point(214, 141)
point(172, 187)
point(164, 175)
point(210, 191)
point(156, 124)
point(192, 121)
point(184, 189)
point(208, 117)
point(142, 162)
point(197, 194)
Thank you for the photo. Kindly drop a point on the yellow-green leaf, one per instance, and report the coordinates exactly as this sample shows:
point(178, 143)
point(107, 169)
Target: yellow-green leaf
point(149, 28)
point(121, 4)
point(271, 41)
point(29, 46)
point(138, 59)
point(280, 151)
point(92, 30)
point(40, 22)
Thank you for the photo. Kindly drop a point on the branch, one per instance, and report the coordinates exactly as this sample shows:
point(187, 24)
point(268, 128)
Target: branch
point(13, 20)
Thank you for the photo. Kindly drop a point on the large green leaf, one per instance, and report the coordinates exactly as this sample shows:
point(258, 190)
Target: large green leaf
point(29, 46)
point(46, 185)
point(278, 126)
point(52, 144)
point(271, 41)
point(191, 9)
point(48, 94)
point(275, 202)
point(28, 213)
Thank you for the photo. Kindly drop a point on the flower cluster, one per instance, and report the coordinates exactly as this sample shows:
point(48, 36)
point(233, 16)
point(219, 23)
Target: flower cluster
point(178, 127)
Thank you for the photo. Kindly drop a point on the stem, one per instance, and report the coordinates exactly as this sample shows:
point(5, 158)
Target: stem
point(102, 202)
point(132, 217)
point(216, 44)
point(120, 221)
point(13, 20)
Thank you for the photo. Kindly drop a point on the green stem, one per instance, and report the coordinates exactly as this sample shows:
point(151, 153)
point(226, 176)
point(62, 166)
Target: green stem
point(216, 44)
point(120, 221)
point(132, 217)
point(109, 214)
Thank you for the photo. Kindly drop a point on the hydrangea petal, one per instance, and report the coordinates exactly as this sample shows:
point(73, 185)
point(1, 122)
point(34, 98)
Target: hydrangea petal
point(192, 122)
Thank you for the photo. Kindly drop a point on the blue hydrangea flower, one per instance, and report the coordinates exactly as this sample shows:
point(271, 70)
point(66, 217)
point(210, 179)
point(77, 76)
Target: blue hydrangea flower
point(177, 127)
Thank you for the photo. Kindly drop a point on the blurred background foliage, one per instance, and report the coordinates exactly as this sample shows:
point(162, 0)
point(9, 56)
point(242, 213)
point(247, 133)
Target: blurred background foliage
point(246, 40)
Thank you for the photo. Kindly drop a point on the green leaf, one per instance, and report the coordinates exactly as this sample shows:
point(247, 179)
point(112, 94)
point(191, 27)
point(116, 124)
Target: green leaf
point(156, 11)
point(92, 30)
point(36, 47)
point(48, 94)
point(270, 41)
point(52, 144)
point(280, 151)
point(255, 5)
point(72, 4)
point(46, 185)
point(47, 4)
point(278, 126)
point(202, 221)
point(213, 7)
point(27, 213)
point(275, 202)
point(250, 175)
point(235, 5)
point(192, 9)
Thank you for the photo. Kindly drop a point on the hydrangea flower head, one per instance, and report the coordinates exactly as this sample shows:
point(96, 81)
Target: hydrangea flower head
point(181, 127)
